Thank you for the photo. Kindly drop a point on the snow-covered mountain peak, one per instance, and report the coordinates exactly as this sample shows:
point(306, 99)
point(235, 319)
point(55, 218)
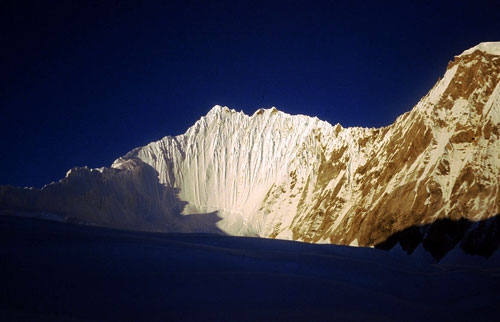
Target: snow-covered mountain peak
point(219, 110)
point(267, 112)
point(278, 175)
point(224, 114)
point(492, 48)
point(468, 92)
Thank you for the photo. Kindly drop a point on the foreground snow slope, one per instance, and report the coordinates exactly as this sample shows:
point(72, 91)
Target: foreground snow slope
point(60, 272)
point(296, 177)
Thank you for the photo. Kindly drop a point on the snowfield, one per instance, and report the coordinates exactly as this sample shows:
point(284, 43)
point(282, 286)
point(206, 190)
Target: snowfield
point(57, 272)
point(275, 175)
point(182, 213)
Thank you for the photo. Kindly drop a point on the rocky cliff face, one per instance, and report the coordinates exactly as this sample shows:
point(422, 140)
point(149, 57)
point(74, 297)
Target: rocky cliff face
point(296, 177)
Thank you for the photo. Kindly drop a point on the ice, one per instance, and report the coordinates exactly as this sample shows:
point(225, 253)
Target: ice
point(272, 174)
point(59, 272)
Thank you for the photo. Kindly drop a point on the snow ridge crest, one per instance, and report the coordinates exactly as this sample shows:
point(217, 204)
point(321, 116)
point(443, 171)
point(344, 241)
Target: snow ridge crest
point(492, 48)
point(296, 177)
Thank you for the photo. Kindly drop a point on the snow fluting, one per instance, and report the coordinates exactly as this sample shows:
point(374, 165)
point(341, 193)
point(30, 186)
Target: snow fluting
point(275, 175)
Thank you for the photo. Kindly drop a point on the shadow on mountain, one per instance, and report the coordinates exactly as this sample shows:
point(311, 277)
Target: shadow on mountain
point(131, 198)
point(474, 237)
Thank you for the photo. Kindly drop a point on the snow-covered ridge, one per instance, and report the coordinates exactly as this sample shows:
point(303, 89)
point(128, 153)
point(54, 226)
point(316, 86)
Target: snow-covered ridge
point(228, 161)
point(492, 48)
point(277, 175)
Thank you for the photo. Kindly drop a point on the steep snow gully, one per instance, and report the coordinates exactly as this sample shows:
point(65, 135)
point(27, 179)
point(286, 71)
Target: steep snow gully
point(296, 177)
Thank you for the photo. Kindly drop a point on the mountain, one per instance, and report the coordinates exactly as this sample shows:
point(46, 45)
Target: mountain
point(296, 177)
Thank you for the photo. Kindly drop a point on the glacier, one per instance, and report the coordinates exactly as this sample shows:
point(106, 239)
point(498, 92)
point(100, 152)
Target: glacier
point(275, 175)
point(64, 272)
point(152, 237)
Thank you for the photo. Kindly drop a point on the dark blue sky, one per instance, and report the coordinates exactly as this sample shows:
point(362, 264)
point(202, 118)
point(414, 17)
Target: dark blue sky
point(84, 82)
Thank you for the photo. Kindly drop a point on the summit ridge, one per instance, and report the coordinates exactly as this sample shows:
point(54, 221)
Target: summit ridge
point(275, 175)
point(492, 48)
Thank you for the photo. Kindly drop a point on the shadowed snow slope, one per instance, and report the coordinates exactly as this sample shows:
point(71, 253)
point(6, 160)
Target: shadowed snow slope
point(62, 272)
point(296, 177)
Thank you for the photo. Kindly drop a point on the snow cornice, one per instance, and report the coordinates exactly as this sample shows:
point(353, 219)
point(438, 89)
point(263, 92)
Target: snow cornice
point(492, 48)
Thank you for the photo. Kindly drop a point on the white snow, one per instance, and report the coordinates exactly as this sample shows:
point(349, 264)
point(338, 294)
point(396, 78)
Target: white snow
point(492, 48)
point(241, 166)
point(260, 174)
point(229, 161)
point(90, 273)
